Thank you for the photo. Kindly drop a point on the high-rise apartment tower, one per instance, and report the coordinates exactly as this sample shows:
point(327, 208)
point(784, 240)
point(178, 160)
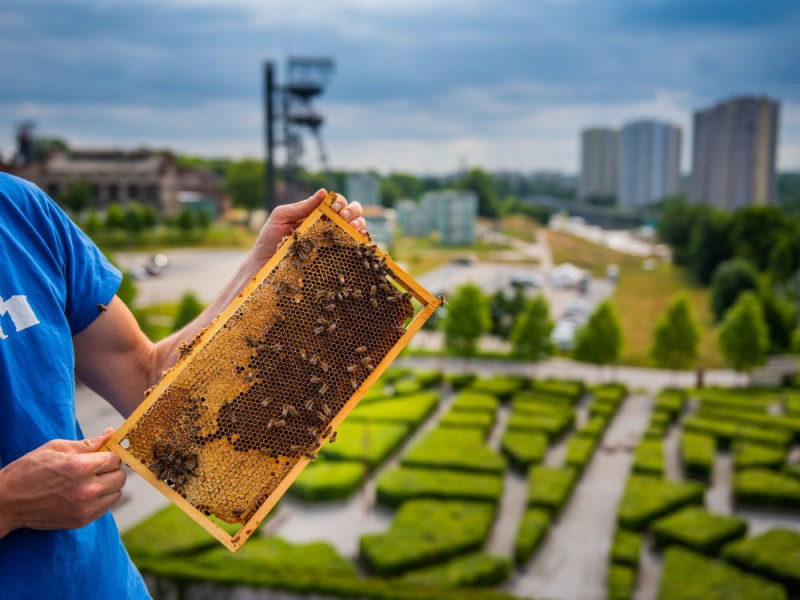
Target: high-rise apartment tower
point(649, 163)
point(598, 179)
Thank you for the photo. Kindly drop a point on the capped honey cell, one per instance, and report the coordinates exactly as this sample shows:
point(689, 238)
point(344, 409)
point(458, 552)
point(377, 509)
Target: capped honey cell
point(254, 396)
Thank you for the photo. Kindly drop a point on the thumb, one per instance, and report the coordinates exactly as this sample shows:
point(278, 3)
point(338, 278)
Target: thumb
point(300, 210)
point(93, 444)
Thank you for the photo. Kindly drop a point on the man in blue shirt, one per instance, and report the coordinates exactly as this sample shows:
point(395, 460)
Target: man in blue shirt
point(58, 316)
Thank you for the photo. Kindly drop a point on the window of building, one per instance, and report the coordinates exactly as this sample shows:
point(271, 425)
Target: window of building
point(133, 191)
point(113, 192)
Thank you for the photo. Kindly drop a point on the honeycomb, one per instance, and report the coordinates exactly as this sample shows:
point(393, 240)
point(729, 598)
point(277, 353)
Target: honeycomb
point(256, 394)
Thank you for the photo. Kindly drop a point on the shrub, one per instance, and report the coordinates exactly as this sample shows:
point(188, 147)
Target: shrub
point(648, 459)
point(550, 423)
point(793, 470)
point(560, 387)
point(427, 378)
point(792, 399)
point(404, 483)
point(698, 529)
point(626, 547)
point(500, 386)
point(762, 487)
point(579, 451)
point(605, 411)
point(536, 408)
point(404, 387)
point(748, 455)
point(477, 569)
point(697, 454)
point(621, 582)
point(655, 431)
point(524, 448)
point(471, 420)
point(550, 487)
point(532, 529)
point(687, 575)
point(459, 380)
point(366, 442)
point(455, 449)
point(328, 480)
point(594, 427)
point(612, 395)
point(725, 432)
point(670, 402)
point(774, 554)
point(411, 410)
point(555, 402)
point(771, 422)
point(425, 532)
point(469, 401)
point(647, 498)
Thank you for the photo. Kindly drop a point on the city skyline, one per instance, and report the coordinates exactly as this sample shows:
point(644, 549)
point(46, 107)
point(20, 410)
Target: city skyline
point(420, 86)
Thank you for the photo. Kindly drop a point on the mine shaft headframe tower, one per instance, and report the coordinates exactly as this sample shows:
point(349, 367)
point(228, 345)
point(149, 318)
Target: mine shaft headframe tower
point(288, 109)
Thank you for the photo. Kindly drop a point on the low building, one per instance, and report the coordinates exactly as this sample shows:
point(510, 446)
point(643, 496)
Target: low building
point(410, 219)
point(453, 213)
point(364, 188)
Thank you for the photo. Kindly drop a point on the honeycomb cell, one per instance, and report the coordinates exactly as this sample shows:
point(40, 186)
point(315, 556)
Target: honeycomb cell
point(261, 391)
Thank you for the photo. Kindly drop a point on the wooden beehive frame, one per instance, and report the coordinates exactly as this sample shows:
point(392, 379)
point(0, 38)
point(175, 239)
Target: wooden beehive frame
point(428, 302)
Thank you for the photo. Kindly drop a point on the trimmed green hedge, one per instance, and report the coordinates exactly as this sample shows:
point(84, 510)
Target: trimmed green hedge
point(762, 487)
point(532, 529)
point(550, 487)
point(774, 554)
point(770, 422)
point(670, 402)
point(655, 431)
point(470, 401)
point(621, 582)
point(697, 454)
point(687, 575)
point(626, 547)
point(742, 400)
point(426, 532)
point(407, 386)
point(459, 380)
point(477, 569)
point(648, 458)
point(502, 386)
point(597, 409)
point(169, 532)
point(748, 455)
point(647, 498)
point(481, 421)
point(793, 470)
point(462, 449)
point(594, 427)
point(366, 441)
point(522, 399)
point(536, 407)
point(698, 529)
point(409, 410)
point(579, 451)
point(328, 480)
point(552, 424)
point(524, 448)
point(560, 387)
point(611, 396)
point(726, 431)
point(405, 483)
point(792, 403)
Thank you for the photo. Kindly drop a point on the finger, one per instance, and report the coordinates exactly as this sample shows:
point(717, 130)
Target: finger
point(300, 210)
point(359, 224)
point(97, 463)
point(351, 211)
point(100, 506)
point(110, 483)
point(92, 444)
point(339, 203)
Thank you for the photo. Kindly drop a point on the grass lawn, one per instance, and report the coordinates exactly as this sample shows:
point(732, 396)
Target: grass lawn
point(641, 296)
point(419, 255)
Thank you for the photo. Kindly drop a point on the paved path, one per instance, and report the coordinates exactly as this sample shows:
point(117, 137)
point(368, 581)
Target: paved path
point(573, 561)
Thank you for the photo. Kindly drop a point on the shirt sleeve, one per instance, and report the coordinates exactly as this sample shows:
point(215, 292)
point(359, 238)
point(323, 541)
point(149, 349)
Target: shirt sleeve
point(89, 278)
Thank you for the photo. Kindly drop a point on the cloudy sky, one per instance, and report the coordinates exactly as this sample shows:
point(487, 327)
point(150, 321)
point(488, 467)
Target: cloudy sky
point(419, 85)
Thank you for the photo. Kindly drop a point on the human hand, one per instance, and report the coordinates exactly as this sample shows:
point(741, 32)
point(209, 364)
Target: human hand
point(61, 485)
point(285, 218)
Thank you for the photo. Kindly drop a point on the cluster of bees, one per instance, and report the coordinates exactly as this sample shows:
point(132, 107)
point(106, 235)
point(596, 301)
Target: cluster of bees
point(336, 312)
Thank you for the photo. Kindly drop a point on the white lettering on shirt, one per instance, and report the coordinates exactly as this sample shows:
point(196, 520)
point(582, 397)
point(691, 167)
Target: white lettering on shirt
point(20, 311)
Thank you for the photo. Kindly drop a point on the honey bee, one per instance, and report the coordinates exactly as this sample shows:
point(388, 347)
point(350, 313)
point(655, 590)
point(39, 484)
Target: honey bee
point(392, 299)
point(361, 349)
point(358, 293)
point(264, 450)
point(265, 402)
point(280, 423)
point(309, 405)
point(324, 366)
point(333, 437)
point(303, 354)
point(329, 307)
point(326, 409)
point(322, 321)
point(314, 359)
point(327, 431)
point(372, 290)
point(352, 368)
point(331, 328)
point(310, 456)
point(340, 277)
point(401, 329)
point(294, 448)
point(354, 384)
point(251, 343)
point(315, 379)
point(324, 389)
point(276, 348)
point(319, 329)
point(443, 300)
point(237, 511)
point(374, 302)
point(365, 262)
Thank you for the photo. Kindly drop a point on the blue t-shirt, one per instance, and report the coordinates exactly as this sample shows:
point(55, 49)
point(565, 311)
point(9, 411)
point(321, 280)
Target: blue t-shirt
point(52, 277)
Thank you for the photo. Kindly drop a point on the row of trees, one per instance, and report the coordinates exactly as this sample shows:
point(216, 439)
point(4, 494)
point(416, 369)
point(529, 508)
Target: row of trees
point(743, 335)
point(135, 218)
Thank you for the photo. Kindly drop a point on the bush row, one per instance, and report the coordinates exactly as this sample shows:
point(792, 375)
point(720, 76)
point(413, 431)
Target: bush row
point(774, 554)
point(551, 423)
point(501, 386)
point(594, 427)
point(579, 451)
point(670, 402)
point(532, 529)
point(524, 448)
point(481, 421)
point(621, 582)
point(771, 422)
point(648, 458)
point(470, 401)
point(426, 532)
point(762, 487)
point(459, 381)
point(726, 432)
point(405, 483)
point(369, 442)
point(748, 455)
point(647, 498)
point(328, 480)
point(476, 569)
point(550, 487)
point(408, 410)
point(626, 547)
point(697, 454)
point(698, 530)
point(462, 449)
point(521, 400)
point(559, 387)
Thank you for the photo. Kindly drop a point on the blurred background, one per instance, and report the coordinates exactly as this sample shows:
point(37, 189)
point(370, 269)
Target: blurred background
point(607, 192)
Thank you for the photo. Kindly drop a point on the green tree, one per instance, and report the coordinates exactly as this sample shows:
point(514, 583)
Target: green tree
point(186, 221)
point(709, 244)
point(149, 216)
point(77, 196)
point(742, 337)
point(134, 222)
point(188, 310)
point(796, 341)
point(600, 341)
point(115, 217)
point(675, 226)
point(754, 230)
point(676, 337)
point(784, 258)
point(92, 224)
point(780, 316)
point(731, 279)
point(390, 192)
point(244, 181)
point(467, 320)
point(530, 338)
point(483, 185)
point(504, 309)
